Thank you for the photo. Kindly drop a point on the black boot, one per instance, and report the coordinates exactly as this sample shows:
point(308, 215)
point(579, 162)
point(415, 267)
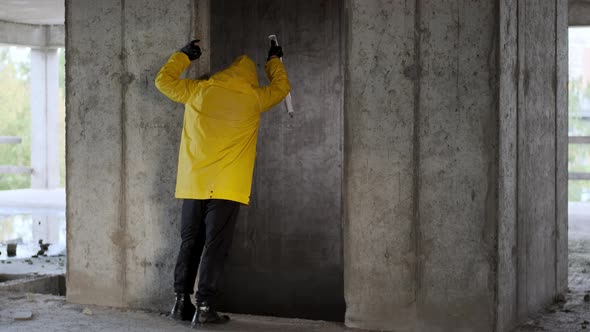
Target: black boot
point(183, 308)
point(206, 315)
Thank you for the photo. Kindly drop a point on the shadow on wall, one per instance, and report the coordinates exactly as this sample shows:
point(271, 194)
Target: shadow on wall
point(287, 253)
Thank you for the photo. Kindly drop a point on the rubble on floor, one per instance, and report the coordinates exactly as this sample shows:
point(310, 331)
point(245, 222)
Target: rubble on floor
point(570, 312)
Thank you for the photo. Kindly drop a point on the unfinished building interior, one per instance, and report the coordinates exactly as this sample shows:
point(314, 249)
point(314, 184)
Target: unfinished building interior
point(421, 184)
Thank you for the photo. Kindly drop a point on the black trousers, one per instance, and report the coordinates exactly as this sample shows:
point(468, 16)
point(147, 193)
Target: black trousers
point(207, 229)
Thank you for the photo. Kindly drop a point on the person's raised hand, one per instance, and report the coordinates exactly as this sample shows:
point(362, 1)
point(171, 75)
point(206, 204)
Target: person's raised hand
point(275, 50)
point(192, 50)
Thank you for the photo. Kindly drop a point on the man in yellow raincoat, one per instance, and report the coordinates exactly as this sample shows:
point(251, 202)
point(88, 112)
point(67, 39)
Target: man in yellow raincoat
point(215, 165)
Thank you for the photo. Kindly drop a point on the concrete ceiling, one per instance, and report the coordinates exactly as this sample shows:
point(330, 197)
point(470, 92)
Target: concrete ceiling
point(33, 11)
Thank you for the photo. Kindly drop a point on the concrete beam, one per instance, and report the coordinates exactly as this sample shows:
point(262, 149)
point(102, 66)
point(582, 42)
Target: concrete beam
point(32, 35)
point(55, 36)
point(579, 12)
point(21, 34)
point(579, 139)
point(579, 176)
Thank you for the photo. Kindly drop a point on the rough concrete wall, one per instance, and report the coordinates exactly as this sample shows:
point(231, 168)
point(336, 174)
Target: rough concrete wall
point(457, 168)
point(507, 194)
point(536, 156)
point(532, 257)
point(287, 253)
point(381, 97)
point(122, 145)
point(487, 240)
point(433, 114)
point(93, 156)
point(150, 236)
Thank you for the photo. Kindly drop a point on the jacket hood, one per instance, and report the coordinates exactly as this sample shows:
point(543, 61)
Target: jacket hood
point(242, 70)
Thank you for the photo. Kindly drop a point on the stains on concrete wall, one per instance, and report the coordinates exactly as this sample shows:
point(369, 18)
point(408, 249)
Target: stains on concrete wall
point(122, 141)
point(380, 247)
point(457, 169)
point(509, 72)
point(542, 155)
point(93, 156)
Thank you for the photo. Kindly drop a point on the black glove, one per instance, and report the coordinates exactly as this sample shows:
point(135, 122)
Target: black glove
point(274, 50)
point(192, 50)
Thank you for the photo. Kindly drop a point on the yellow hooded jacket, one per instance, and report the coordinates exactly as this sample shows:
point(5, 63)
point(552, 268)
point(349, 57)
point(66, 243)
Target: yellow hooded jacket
point(221, 118)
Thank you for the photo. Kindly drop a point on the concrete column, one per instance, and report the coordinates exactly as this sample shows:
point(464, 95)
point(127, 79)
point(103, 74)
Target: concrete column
point(454, 157)
point(44, 118)
point(122, 148)
point(379, 157)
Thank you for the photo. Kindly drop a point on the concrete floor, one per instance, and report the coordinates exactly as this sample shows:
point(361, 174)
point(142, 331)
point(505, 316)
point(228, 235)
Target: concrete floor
point(52, 313)
point(573, 315)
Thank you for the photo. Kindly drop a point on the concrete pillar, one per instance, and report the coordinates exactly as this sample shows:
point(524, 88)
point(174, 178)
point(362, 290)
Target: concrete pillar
point(122, 148)
point(455, 169)
point(44, 118)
